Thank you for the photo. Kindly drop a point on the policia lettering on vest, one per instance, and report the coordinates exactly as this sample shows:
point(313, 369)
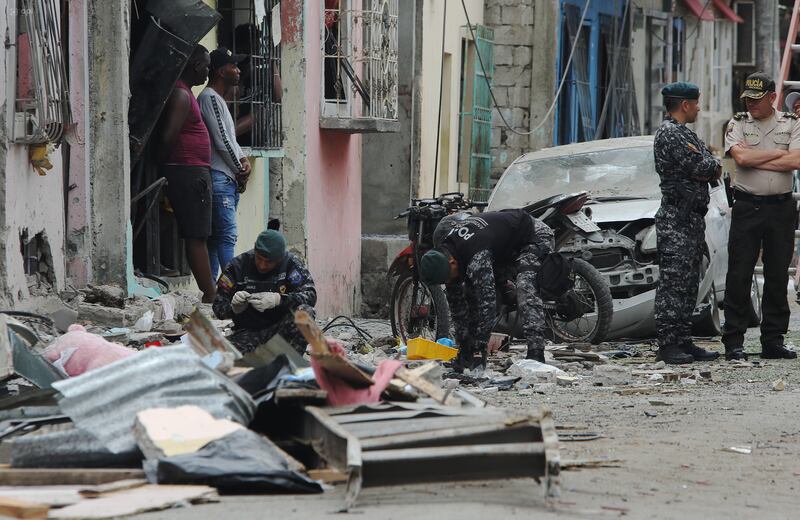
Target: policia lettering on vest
point(467, 259)
point(765, 144)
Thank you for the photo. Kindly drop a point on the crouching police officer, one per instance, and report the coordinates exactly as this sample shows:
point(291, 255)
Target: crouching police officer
point(467, 259)
point(260, 290)
point(685, 166)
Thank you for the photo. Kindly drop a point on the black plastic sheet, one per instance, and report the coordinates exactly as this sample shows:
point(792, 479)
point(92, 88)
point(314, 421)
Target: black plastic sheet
point(242, 462)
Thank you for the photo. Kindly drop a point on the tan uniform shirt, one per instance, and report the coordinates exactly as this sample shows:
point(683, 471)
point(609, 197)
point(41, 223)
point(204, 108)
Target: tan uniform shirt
point(781, 132)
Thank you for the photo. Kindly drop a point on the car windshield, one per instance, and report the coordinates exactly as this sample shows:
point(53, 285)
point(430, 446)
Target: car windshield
point(618, 173)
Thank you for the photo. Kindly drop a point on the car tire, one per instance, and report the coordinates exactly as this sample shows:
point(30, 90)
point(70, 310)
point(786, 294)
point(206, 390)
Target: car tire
point(755, 304)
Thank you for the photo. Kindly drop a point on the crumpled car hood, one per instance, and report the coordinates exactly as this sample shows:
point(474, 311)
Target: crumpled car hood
point(624, 210)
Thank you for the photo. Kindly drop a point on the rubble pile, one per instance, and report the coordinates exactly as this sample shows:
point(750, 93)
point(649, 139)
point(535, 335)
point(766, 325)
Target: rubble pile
point(113, 406)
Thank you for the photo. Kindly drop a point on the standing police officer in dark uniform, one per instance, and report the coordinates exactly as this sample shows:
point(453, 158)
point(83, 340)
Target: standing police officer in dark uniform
point(685, 166)
point(467, 259)
point(260, 290)
point(766, 147)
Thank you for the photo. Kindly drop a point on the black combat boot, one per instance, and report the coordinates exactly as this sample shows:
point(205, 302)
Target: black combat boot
point(673, 355)
point(777, 352)
point(735, 353)
point(699, 353)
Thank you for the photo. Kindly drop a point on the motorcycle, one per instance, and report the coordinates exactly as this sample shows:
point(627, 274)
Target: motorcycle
point(420, 310)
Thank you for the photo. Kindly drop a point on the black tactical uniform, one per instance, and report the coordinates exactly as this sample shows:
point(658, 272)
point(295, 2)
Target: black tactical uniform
point(481, 244)
point(251, 328)
point(685, 165)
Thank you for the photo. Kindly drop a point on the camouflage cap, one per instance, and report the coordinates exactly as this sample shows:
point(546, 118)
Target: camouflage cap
point(681, 90)
point(757, 86)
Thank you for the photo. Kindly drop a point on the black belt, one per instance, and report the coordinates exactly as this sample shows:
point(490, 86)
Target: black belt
point(761, 199)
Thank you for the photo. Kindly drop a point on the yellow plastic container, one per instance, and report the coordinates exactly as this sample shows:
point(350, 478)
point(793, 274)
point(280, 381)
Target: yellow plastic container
point(421, 348)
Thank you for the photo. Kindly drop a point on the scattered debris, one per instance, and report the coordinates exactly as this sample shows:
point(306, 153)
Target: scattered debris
point(612, 374)
point(570, 465)
point(743, 450)
point(778, 386)
point(137, 500)
point(164, 432)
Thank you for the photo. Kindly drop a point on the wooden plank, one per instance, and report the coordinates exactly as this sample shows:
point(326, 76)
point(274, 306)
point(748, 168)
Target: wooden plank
point(336, 365)
point(20, 509)
point(65, 476)
point(53, 496)
point(328, 475)
point(137, 500)
point(425, 386)
point(111, 487)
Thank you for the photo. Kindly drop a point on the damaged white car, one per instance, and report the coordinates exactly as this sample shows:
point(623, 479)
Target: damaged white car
point(620, 177)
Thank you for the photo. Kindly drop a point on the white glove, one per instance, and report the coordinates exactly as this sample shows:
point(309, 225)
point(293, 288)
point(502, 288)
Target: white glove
point(264, 301)
point(239, 302)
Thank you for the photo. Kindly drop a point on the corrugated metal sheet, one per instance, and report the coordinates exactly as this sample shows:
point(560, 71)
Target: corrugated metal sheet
point(62, 446)
point(104, 402)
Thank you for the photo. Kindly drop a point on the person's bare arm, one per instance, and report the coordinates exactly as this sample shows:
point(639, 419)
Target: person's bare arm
point(244, 124)
point(175, 114)
point(786, 163)
point(277, 87)
point(749, 158)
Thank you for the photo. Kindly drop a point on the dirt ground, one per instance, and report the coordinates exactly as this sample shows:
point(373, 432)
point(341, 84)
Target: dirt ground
point(667, 445)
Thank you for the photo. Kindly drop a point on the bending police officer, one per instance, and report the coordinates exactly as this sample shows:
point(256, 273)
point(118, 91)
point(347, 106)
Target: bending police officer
point(467, 260)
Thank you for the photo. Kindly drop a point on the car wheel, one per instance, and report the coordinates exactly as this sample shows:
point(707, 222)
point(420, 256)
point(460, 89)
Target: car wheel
point(709, 322)
point(755, 303)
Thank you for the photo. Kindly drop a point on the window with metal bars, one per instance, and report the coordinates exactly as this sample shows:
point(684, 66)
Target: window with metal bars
point(39, 84)
point(359, 49)
point(255, 105)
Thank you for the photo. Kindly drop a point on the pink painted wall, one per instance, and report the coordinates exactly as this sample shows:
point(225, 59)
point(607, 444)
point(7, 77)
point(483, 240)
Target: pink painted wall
point(78, 199)
point(333, 187)
point(31, 202)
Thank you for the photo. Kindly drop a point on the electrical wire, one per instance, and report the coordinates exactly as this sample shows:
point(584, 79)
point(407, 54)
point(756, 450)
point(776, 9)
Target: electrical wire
point(561, 83)
point(366, 336)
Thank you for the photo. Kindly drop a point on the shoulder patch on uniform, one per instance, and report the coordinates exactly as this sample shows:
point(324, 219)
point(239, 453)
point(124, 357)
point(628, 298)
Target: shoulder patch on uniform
point(225, 282)
point(295, 277)
point(739, 116)
point(790, 115)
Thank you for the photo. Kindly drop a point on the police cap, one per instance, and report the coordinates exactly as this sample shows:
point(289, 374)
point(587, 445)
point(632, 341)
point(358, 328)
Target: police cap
point(681, 90)
point(757, 86)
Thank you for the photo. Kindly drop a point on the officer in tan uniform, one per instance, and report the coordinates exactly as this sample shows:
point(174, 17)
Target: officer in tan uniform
point(765, 144)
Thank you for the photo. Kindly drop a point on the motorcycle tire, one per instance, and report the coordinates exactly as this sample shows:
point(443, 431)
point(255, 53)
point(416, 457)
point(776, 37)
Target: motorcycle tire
point(438, 322)
point(603, 303)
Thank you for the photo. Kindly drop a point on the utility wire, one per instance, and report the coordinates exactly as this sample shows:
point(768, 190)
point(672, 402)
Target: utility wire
point(560, 86)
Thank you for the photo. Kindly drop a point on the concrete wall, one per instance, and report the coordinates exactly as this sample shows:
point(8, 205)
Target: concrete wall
point(513, 24)
point(387, 161)
point(32, 204)
point(318, 197)
point(432, 15)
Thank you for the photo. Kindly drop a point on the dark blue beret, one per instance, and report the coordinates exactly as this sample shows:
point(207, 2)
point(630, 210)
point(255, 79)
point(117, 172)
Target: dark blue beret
point(681, 90)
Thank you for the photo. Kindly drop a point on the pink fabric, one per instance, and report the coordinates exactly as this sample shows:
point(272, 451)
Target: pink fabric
point(91, 351)
point(193, 147)
point(341, 393)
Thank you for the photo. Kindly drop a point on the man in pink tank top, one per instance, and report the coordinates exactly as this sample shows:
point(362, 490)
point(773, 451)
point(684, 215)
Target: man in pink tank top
point(184, 156)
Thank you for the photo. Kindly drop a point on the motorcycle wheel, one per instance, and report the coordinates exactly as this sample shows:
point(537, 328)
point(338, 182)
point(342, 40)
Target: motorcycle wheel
point(593, 326)
point(428, 316)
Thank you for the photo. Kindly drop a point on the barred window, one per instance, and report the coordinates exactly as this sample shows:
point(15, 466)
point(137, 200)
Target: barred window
point(39, 83)
point(359, 46)
point(256, 105)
